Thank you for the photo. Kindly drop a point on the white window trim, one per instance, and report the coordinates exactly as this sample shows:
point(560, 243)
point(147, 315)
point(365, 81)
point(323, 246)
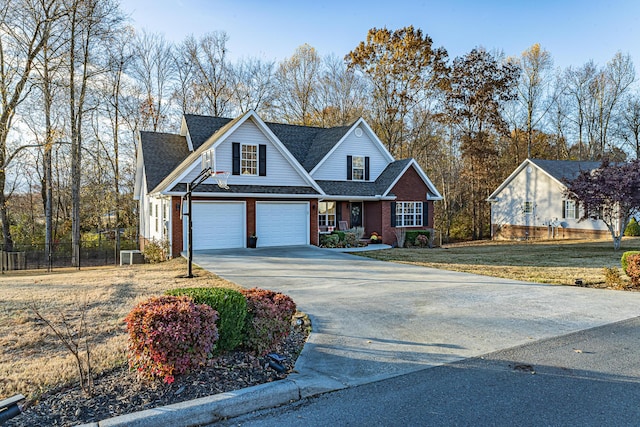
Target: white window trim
point(574, 209)
point(327, 215)
point(353, 168)
point(248, 163)
point(416, 215)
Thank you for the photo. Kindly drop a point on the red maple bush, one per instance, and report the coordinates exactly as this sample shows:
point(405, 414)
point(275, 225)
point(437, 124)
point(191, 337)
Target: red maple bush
point(633, 269)
point(268, 320)
point(169, 335)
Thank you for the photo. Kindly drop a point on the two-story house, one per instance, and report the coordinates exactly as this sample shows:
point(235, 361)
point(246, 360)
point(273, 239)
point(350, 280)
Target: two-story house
point(287, 184)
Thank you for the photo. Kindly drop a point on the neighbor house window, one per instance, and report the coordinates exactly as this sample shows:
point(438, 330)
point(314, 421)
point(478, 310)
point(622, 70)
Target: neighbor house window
point(249, 160)
point(596, 214)
point(357, 168)
point(408, 214)
point(527, 208)
point(570, 209)
point(156, 218)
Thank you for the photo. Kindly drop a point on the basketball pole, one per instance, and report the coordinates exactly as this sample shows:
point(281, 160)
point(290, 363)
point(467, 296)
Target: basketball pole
point(202, 177)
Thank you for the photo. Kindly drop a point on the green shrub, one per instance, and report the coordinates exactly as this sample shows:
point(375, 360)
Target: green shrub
point(329, 240)
point(169, 335)
point(269, 319)
point(625, 260)
point(156, 251)
point(633, 269)
point(612, 278)
point(341, 235)
point(412, 235)
point(231, 306)
point(633, 229)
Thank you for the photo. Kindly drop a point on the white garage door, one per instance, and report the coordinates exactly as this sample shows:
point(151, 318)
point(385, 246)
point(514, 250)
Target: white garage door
point(282, 223)
point(217, 225)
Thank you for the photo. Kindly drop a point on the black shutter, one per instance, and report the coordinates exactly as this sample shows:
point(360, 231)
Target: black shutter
point(564, 209)
point(366, 168)
point(262, 160)
point(425, 214)
point(393, 214)
point(349, 168)
point(338, 212)
point(235, 153)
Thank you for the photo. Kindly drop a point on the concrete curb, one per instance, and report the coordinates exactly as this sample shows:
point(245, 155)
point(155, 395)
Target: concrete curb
point(208, 410)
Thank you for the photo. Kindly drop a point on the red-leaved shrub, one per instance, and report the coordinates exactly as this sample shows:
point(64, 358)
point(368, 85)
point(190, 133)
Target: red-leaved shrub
point(633, 269)
point(268, 319)
point(168, 335)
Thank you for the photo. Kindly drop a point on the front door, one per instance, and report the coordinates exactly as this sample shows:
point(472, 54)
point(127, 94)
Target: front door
point(356, 214)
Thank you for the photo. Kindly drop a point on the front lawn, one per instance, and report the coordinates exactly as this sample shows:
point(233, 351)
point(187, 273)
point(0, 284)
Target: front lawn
point(556, 262)
point(32, 360)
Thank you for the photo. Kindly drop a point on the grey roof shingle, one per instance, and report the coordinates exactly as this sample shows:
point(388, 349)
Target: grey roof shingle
point(363, 188)
point(308, 145)
point(162, 153)
point(248, 189)
point(202, 127)
point(565, 170)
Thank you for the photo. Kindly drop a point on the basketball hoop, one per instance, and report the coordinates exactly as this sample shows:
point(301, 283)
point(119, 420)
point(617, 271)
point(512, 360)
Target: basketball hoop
point(221, 178)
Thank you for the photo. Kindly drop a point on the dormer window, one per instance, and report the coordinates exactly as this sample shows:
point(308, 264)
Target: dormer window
point(249, 160)
point(357, 168)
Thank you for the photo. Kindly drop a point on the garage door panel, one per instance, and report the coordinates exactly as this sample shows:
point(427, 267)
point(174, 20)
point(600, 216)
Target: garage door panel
point(218, 225)
point(282, 223)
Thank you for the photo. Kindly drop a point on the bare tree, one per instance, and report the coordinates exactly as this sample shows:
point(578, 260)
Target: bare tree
point(92, 23)
point(535, 79)
point(629, 123)
point(208, 57)
point(342, 94)
point(25, 26)
point(298, 79)
point(154, 71)
point(252, 82)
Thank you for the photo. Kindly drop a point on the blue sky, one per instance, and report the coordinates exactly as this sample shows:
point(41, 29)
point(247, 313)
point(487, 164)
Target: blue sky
point(572, 31)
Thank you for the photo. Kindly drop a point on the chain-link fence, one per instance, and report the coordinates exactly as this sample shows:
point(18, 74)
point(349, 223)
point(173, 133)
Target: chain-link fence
point(92, 253)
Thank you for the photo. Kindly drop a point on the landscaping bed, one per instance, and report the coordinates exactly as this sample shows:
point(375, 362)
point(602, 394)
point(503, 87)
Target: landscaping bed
point(34, 362)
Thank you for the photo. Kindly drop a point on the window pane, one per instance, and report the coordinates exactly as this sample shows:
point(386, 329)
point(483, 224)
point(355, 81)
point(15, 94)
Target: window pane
point(249, 160)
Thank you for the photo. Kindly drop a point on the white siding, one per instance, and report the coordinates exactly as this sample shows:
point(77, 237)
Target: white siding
point(547, 197)
point(279, 170)
point(158, 226)
point(335, 166)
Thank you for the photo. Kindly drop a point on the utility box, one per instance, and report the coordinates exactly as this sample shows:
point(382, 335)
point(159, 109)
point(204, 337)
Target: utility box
point(130, 257)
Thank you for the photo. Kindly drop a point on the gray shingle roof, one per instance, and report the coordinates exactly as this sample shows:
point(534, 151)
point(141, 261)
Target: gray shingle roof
point(308, 145)
point(202, 127)
point(248, 189)
point(162, 153)
point(363, 188)
point(565, 170)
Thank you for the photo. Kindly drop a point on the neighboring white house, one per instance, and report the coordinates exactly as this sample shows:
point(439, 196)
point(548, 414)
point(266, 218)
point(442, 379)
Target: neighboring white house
point(287, 184)
point(531, 203)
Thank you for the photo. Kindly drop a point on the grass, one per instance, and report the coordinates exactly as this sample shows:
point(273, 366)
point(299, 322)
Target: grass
point(554, 262)
point(32, 360)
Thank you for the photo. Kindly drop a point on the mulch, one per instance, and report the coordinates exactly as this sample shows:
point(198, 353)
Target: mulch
point(120, 392)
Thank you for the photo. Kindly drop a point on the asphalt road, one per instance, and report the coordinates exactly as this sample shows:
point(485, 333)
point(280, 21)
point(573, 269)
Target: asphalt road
point(587, 378)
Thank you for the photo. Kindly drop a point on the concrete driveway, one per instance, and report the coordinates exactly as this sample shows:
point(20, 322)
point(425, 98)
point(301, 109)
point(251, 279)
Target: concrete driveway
point(374, 320)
